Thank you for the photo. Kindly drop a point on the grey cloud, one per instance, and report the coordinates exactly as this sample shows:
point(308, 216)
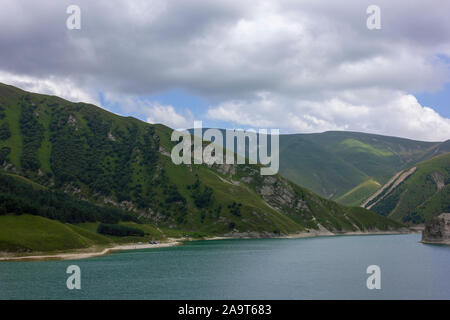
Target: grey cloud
point(301, 52)
point(152, 46)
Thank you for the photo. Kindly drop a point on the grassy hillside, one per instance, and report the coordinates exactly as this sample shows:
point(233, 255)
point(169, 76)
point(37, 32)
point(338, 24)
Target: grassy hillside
point(347, 166)
point(92, 161)
point(425, 193)
point(362, 191)
point(26, 233)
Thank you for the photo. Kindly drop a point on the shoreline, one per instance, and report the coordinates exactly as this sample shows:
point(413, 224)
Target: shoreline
point(179, 241)
point(312, 234)
point(84, 255)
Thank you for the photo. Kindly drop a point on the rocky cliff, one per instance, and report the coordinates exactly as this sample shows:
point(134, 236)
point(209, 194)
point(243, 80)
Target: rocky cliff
point(437, 230)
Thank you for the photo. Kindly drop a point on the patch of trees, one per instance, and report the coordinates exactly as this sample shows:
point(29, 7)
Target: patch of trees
point(67, 157)
point(386, 205)
point(173, 203)
point(202, 195)
point(150, 149)
point(218, 211)
point(74, 155)
point(4, 153)
point(119, 230)
point(89, 149)
point(102, 156)
point(414, 218)
point(32, 134)
point(5, 133)
point(235, 209)
point(169, 189)
point(19, 198)
point(172, 194)
point(123, 151)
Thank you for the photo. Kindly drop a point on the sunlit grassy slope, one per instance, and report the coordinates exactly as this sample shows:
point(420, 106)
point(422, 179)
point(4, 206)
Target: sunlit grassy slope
point(26, 233)
point(355, 196)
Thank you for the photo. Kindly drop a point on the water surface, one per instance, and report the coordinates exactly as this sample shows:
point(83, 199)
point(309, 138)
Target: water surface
point(314, 268)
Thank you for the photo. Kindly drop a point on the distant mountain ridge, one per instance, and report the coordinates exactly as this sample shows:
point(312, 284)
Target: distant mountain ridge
point(348, 166)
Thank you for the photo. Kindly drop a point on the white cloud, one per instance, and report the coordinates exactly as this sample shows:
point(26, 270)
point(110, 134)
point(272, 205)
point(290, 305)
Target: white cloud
point(64, 88)
point(397, 114)
point(151, 111)
point(167, 115)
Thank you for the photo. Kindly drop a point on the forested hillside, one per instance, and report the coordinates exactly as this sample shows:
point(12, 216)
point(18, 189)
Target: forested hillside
point(85, 159)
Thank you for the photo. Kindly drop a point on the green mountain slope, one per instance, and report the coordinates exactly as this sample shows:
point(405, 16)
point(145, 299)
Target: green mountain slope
point(346, 166)
point(27, 233)
point(96, 157)
point(418, 194)
point(362, 191)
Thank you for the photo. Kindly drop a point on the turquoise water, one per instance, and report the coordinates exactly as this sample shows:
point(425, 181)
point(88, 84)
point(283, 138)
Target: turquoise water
point(315, 268)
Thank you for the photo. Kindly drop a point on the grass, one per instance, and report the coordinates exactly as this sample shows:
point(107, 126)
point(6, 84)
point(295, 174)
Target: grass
point(356, 146)
point(334, 163)
point(15, 141)
point(35, 185)
point(418, 197)
point(45, 149)
point(152, 233)
point(27, 233)
point(310, 164)
point(358, 194)
point(369, 222)
point(261, 217)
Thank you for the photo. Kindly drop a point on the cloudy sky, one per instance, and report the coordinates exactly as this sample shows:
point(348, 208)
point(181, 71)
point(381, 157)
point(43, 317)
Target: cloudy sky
point(300, 66)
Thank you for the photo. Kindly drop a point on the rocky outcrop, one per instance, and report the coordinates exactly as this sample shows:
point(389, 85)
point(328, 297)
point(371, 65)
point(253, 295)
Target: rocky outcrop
point(111, 137)
point(438, 179)
point(437, 230)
